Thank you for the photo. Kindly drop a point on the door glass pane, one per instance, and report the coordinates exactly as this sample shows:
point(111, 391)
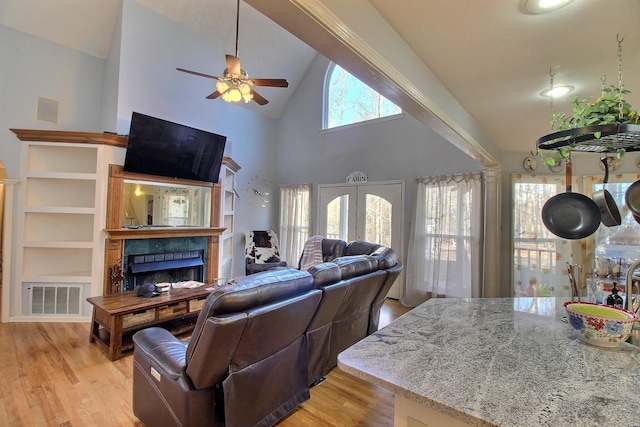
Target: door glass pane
point(378, 220)
point(337, 218)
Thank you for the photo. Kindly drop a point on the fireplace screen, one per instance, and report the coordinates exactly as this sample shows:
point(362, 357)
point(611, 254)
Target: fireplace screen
point(168, 267)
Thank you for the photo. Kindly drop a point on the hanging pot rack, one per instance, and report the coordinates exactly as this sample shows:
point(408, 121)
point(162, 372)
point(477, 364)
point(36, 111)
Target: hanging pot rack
point(612, 138)
point(607, 138)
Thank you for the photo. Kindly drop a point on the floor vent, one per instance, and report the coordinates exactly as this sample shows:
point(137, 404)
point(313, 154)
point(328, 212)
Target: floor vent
point(56, 299)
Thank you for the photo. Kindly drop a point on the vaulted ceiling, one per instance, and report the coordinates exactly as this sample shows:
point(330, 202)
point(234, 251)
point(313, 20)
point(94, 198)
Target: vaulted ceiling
point(492, 56)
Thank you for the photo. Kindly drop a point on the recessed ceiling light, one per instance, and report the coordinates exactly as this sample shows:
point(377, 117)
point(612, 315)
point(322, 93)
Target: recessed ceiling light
point(546, 6)
point(557, 91)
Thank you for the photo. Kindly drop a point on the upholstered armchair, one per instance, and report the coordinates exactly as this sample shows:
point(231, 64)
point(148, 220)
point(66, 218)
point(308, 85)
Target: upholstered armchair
point(262, 251)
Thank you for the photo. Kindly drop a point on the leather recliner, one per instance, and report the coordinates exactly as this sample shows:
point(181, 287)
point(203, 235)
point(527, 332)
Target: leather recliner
point(388, 261)
point(246, 361)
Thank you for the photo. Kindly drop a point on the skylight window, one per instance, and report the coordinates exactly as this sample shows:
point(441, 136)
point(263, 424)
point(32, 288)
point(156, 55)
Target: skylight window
point(348, 100)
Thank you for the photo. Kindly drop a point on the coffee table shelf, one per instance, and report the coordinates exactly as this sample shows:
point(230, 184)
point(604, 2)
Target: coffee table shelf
point(117, 317)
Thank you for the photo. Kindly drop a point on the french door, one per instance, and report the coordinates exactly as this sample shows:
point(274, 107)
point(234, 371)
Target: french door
point(371, 211)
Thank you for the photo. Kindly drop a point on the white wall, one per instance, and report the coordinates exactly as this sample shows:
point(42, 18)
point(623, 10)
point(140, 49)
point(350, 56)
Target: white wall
point(32, 67)
point(111, 81)
point(152, 46)
point(395, 149)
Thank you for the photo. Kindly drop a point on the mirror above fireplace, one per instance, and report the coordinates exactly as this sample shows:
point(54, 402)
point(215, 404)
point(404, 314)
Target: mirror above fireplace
point(165, 204)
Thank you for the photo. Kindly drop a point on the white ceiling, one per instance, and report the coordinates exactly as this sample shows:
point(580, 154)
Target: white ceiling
point(492, 56)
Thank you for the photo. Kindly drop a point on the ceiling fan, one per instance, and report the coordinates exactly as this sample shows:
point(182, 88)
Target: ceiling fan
point(235, 84)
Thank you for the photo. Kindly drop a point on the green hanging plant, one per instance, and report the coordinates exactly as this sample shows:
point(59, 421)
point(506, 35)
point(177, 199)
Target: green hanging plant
point(603, 111)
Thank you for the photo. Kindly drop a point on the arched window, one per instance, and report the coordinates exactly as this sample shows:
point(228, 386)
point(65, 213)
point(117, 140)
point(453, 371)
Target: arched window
point(347, 100)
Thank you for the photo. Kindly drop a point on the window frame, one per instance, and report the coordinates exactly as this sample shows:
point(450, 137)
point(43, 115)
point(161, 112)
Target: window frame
point(325, 103)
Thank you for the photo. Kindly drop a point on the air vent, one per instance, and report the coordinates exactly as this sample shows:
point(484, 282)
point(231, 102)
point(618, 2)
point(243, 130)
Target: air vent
point(47, 110)
point(56, 299)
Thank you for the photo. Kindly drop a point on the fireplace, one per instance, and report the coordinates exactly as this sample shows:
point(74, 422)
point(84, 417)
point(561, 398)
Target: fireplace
point(151, 261)
point(142, 269)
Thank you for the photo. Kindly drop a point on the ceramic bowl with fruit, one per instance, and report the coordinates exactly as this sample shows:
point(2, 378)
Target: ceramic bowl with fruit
point(600, 325)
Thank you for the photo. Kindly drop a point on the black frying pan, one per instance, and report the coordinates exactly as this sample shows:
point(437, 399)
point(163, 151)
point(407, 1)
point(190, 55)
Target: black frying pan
point(606, 204)
point(571, 215)
point(632, 199)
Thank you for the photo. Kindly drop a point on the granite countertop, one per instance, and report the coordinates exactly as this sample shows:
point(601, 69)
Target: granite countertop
point(500, 362)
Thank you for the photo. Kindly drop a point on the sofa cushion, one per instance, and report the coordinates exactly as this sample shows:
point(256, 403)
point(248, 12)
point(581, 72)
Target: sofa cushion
point(244, 293)
point(325, 274)
point(333, 248)
point(257, 289)
point(386, 256)
point(356, 265)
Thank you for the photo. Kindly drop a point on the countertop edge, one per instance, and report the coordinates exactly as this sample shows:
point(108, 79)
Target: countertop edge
point(401, 391)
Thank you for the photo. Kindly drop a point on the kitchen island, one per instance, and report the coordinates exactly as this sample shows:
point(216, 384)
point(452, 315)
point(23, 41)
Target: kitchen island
point(497, 362)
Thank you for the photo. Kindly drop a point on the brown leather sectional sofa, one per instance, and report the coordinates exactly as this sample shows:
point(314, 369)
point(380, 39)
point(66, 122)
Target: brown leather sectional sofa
point(261, 341)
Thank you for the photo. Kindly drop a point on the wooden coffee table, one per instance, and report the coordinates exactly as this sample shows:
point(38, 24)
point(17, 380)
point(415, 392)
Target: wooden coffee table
point(117, 317)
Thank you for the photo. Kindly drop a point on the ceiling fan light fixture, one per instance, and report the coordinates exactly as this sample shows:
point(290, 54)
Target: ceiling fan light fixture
point(557, 91)
point(235, 85)
point(545, 6)
point(222, 86)
point(232, 95)
point(234, 91)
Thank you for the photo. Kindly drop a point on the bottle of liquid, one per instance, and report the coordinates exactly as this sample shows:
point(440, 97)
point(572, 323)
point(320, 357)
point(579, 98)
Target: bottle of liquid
point(595, 290)
point(614, 299)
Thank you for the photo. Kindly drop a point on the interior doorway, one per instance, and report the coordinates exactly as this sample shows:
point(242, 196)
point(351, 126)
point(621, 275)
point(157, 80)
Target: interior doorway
point(370, 211)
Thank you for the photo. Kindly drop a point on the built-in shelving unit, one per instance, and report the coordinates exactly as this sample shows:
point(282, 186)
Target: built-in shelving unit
point(62, 208)
point(227, 216)
point(60, 188)
point(70, 187)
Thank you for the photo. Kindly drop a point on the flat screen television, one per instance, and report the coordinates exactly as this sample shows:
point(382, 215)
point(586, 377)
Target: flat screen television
point(163, 148)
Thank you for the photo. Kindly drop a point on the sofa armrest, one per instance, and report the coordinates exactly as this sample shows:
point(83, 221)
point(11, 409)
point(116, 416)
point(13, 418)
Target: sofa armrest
point(165, 351)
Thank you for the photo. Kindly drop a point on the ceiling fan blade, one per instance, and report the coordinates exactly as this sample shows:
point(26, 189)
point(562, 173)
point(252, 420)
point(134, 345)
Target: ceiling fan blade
point(214, 95)
point(270, 82)
point(259, 98)
point(198, 74)
point(233, 64)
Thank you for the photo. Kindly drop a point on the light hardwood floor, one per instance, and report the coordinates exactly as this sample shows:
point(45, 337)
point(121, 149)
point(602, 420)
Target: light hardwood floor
point(50, 375)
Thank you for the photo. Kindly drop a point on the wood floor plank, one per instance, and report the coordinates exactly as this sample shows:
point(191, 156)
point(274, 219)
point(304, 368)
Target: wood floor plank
point(52, 376)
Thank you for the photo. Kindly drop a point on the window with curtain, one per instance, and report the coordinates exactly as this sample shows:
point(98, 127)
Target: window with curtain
point(445, 247)
point(176, 206)
point(295, 220)
point(348, 100)
point(620, 242)
point(539, 257)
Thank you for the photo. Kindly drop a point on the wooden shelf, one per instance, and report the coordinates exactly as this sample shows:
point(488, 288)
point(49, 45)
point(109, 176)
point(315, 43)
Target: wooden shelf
point(69, 136)
point(161, 232)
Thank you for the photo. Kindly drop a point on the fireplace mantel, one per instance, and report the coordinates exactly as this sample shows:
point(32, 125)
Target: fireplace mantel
point(161, 232)
point(117, 235)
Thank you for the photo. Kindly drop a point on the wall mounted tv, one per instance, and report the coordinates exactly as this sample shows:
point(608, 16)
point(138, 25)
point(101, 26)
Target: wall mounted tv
point(163, 148)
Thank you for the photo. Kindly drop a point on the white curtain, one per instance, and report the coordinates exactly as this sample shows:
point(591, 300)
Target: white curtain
point(445, 246)
point(295, 219)
point(539, 257)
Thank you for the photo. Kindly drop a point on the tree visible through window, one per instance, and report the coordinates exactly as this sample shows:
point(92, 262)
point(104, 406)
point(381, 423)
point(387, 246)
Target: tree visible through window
point(348, 100)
